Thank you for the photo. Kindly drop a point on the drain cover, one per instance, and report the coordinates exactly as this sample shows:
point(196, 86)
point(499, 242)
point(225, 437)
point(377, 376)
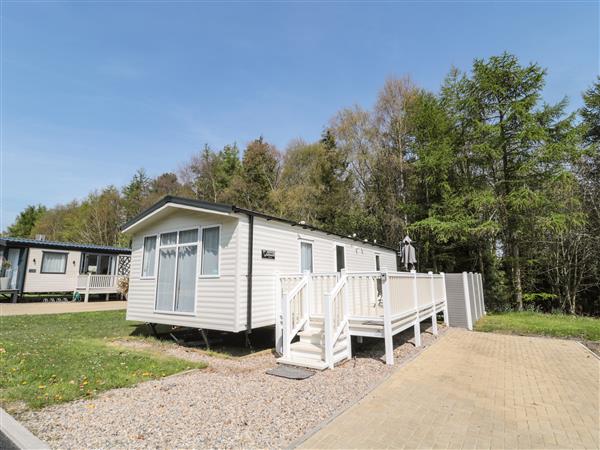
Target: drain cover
point(293, 373)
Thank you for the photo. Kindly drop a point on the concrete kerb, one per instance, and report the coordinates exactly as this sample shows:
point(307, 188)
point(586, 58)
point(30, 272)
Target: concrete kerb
point(370, 389)
point(14, 436)
point(588, 349)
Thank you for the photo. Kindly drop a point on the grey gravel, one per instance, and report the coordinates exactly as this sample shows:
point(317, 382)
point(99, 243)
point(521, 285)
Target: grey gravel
point(231, 404)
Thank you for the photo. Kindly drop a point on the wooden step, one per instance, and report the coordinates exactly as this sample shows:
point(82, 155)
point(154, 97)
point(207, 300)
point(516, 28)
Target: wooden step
point(303, 362)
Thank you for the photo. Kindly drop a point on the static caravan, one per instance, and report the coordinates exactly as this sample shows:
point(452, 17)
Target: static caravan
point(38, 266)
point(219, 267)
point(213, 266)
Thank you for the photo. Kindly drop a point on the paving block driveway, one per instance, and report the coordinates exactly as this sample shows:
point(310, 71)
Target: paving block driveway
point(479, 390)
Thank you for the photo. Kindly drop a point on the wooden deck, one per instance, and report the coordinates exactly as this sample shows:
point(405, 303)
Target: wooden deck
point(326, 310)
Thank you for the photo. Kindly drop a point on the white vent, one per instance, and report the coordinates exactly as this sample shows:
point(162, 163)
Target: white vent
point(40, 237)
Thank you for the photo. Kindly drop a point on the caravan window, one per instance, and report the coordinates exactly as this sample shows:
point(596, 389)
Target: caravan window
point(210, 251)
point(176, 279)
point(97, 264)
point(149, 257)
point(340, 258)
point(53, 262)
point(306, 257)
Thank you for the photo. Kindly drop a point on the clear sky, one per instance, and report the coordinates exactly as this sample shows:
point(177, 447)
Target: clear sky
point(92, 91)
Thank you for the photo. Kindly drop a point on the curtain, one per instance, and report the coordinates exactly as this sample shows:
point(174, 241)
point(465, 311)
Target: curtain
point(149, 256)
point(306, 257)
point(166, 279)
point(210, 251)
point(54, 262)
point(186, 278)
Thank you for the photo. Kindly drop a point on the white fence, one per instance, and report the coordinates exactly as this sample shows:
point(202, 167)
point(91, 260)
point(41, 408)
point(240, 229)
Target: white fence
point(97, 284)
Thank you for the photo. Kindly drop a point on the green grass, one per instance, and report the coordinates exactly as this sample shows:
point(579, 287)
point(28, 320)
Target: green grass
point(532, 323)
point(47, 359)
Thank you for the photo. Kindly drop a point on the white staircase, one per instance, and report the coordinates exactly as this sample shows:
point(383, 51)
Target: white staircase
point(309, 350)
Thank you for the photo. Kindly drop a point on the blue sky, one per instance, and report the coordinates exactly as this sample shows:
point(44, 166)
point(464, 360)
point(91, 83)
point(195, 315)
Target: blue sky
point(93, 91)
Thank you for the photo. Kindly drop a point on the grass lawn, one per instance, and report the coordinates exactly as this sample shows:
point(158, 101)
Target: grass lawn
point(46, 359)
point(532, 323)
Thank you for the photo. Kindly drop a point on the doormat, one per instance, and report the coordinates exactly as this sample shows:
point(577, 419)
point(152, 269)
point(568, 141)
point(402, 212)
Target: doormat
point(293, 373)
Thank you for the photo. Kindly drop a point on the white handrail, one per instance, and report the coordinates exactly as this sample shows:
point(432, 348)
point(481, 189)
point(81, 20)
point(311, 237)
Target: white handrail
point(335, 318)
point(290, 301)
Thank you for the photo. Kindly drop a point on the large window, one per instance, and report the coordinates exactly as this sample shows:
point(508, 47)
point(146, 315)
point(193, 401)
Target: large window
point(149, 257)
point(97, 264)
point(210, 251)
point(53, 262)
point(306, 257)
point(176, 280)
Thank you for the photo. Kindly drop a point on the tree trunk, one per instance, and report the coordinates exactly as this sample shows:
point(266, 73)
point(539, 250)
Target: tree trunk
point(516, 273)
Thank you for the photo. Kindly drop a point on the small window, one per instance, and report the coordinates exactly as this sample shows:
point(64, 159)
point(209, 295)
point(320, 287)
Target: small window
point(54, 262)
point(168, 238)
point(149, 257)
point(340, 258)
point(306, 257)
point(210, 251)
point(377, 263)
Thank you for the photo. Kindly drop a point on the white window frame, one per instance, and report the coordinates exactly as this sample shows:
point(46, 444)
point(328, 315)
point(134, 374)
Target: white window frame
point(155, 268)
point(201, 256)
point(337, 244)
point(176, 246)
point(312, 253)
point(377, 256)
point(66, 254)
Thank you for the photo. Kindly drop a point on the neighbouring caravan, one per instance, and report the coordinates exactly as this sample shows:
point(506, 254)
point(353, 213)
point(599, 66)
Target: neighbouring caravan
point(215, 266)
point(38, 266)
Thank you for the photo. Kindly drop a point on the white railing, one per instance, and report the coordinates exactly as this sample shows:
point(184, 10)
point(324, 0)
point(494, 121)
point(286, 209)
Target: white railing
point(335, 317)
point(365, 294)
point(294, 311)
point(97, 284)
point(97, 281)
point(392, 301)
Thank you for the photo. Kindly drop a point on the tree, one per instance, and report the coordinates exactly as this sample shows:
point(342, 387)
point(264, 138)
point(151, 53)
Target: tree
point(209, 174)
point(26, 220)
point(315, 184)
point(135, 194)
point(590, 113)
point(253, 186)
point(511, 135)
point(101, 215)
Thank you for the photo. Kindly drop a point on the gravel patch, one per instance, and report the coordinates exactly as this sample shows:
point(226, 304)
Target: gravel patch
point(231, 404)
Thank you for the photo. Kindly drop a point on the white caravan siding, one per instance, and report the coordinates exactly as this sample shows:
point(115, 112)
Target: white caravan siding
point(215, 297)
point(51, 282)
point(221, 302)
point(285, 240)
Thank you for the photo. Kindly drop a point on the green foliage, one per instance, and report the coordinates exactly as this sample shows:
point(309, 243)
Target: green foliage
point(484, 176)
point(538, 296)
point(48, 359)
point(26, 221)
point(590, 113)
